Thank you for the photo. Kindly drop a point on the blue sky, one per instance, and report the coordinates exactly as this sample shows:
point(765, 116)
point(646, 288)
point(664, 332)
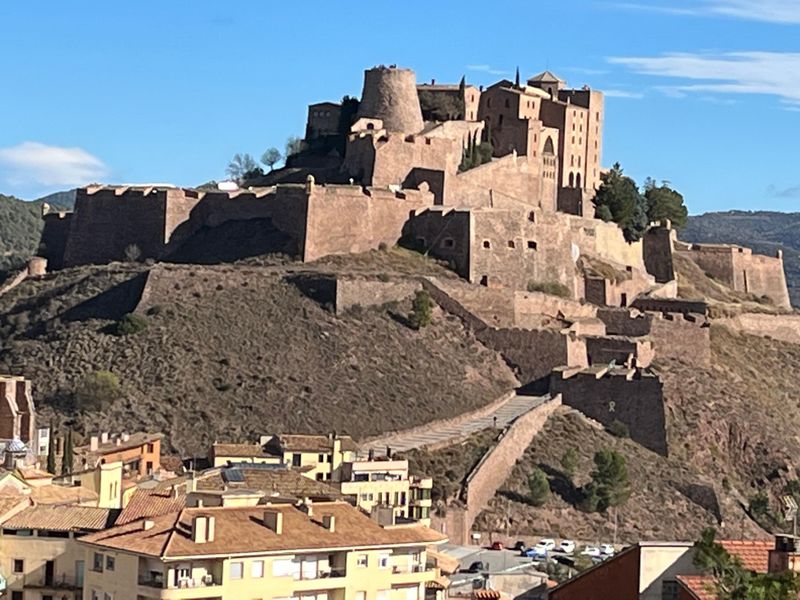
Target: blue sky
point(704, 93)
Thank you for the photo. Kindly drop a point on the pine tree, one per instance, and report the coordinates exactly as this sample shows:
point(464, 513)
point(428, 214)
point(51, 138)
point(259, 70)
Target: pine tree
point(539, 487)
point(51, 452)
point(421, 310)
point(67, 458)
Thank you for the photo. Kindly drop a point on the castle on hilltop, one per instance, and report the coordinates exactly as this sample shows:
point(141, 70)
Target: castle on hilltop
point(496, 181)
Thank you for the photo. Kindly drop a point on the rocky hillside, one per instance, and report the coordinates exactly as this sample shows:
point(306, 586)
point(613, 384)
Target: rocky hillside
point(764, 232)
point(731, 426)
point(232, 352)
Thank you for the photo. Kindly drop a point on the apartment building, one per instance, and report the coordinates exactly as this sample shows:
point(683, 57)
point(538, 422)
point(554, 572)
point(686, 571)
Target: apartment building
point(39, 555)
point(298, 551)
point(385, 482)
point(139, 453)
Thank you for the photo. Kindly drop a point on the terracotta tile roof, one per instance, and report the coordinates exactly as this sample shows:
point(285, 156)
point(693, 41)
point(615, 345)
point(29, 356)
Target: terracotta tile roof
point(754, 554)
point(314, 443)
point(62, 494)
point(241, 530)
point(486, 595)
point(238, 450)
point(62, 518)
point(161, 499)
point(11, 504)
point(110, 447)
point(700, 587)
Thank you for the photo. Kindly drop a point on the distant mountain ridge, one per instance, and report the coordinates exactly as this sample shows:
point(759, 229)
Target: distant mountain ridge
point(764, 231)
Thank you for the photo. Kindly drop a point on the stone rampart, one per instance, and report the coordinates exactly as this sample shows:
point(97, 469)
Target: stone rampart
point(657, 246)
point(55, 233)
point(496, 465)
point(633, 397)
point(353, 292)
point(682, 337)
point(785, 328)
point(621, 321)
point(511, 177)
point(740, 269)
point(534, 353)
point(602, 350)
point(347, 219)
point(390, 94)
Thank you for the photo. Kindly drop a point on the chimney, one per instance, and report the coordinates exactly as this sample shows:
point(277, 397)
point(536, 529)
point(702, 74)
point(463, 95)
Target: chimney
point(388, 452)
point(104, 437)
point(306, 507)
point(273, 520)
point(211, 526)
point(125, 437)
point(118, 441)
point(94, 443)
point(433, 81)
point(148, 524)
point(329, 523)
point(200, 529)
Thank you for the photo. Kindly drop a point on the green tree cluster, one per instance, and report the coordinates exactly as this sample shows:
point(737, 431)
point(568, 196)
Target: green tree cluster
point(609, 487)
point(475, 154)
point(733, 582)
point(619, 200)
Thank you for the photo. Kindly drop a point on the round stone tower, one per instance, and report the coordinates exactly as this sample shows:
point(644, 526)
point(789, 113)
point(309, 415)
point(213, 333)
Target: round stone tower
point(390, 94)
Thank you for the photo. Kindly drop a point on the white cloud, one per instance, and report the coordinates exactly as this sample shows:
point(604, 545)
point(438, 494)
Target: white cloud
point(769, 73)
point(770, 11)
point(33, 163)
point(488, 69)
point(623, 94)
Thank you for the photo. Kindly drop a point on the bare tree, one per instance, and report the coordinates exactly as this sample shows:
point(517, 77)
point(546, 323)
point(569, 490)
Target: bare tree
point(271, 157)
point(240, 165)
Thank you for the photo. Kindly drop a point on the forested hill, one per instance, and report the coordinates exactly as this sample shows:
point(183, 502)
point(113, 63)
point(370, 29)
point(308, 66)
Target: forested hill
point(21, 226)
point(763, 231)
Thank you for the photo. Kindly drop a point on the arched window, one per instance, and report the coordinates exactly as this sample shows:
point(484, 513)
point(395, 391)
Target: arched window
point(571, 180)
point(548, 147)
point(578, 181)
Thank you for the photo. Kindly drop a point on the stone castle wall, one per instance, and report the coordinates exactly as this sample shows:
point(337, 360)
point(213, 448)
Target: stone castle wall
point(347, 219)
point(785, 328)
point(682, 337)
point(632, 397)
point(742, 270)
point(55, 233)
point(657, 246)
point(496, 465)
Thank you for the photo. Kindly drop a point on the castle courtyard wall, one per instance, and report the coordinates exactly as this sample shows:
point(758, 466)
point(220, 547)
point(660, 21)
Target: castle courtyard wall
point(632, 397)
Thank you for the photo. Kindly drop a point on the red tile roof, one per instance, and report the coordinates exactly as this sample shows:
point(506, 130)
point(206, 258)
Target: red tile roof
point(754, 554)
point(242, 531)
point(700, 587)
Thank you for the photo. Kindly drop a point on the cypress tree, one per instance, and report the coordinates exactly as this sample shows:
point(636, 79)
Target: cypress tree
point(67, 459)
point(516, 79)
point(51, 452)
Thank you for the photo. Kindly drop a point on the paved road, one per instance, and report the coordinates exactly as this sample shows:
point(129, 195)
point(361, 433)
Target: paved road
point(505, 414)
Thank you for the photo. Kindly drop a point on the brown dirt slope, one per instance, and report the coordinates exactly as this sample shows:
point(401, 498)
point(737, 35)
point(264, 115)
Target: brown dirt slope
point(241, 355)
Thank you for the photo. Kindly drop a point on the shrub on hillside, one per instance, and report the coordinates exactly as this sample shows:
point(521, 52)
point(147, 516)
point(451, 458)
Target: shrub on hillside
point(421, 310)
point(130, 324)
point(97, 391)
point(539, 487)
point(618, 429)
point(554, 288)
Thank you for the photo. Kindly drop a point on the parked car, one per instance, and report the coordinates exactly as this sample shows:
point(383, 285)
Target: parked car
point(546, 544)
point(520, 546)
point(534, 552)
point(566, 546)
point(476, 567)
point(496, 546)
point(592, 551)
point(607, 549)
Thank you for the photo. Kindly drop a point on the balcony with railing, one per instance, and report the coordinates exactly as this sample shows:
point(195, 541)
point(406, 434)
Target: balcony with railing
point(197, 581)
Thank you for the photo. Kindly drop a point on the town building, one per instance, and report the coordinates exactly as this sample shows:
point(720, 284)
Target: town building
point(666, 570)
point(325, 551)
point(376, 484)
point(139, 453)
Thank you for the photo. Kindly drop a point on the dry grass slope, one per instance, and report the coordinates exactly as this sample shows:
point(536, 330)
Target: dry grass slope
point(242, 357)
